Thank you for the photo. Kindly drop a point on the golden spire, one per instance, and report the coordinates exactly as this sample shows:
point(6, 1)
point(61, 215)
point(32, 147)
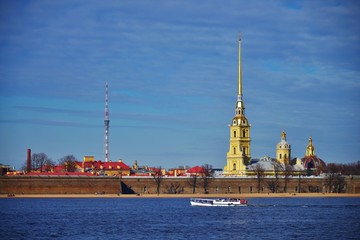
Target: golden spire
point(310, 149)
point(240, 107)
point(240, 73)
point(283, 135)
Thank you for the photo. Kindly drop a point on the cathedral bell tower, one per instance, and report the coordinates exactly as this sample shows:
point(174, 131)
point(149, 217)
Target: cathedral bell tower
point(238, 155)
point(283, 150)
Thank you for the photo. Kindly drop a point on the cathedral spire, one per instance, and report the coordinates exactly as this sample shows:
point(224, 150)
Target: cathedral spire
point(239, 69)
point(240, 106)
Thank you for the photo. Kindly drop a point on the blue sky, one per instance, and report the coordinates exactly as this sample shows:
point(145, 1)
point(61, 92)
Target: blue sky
point(172, 73)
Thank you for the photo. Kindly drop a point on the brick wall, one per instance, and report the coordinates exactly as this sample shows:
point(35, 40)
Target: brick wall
point(114, 185)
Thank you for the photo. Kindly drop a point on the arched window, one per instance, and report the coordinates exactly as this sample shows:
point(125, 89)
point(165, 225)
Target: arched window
point(285, 156)
point(234, 150)
point(244, 133)
point(280, 156)
point(234, 134)
point(234, 166)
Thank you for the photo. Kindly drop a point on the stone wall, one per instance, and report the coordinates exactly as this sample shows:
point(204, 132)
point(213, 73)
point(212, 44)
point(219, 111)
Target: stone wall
point(141, 185)
point(59, 185)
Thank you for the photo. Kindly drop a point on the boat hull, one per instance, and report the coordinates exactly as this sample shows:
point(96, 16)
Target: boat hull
point(218, 202)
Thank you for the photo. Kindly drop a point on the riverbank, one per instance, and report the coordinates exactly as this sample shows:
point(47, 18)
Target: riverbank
point(247, 195)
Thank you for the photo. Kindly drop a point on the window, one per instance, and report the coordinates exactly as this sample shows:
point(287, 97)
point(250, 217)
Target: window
point(234, 134)
point(280, 155)
point(285, 156)
point(239, 189)
point(251, 189)
point(244, 133)
point(234, 166)
point(145, 189)
point(234, 150)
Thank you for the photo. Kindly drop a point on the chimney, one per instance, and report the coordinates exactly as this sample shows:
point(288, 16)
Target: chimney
point(28, 162)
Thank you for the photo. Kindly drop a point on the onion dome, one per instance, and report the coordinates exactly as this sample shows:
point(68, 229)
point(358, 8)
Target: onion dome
point(311, 161)
point(283, 144)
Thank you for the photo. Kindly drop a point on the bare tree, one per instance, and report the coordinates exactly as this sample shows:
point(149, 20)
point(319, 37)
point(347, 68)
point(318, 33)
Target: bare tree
point(68, 162)
point(259, 172)
point(277, 171)
point(335, 181)
point(174, 188)
point(299, 183)
point(193, 181)
point(38, 160)
point(206, 176)
point(49, 165)
point(344, 169)
point(158, 176)
point(288, 171)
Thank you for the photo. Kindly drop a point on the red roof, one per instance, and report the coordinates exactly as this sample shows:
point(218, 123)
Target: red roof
point(59, 174)
point(312, 162)
point(106, 165)
point(196, 169)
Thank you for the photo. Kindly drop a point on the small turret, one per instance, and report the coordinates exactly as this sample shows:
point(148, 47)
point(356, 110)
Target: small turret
point(283, 150)
point(310, 149)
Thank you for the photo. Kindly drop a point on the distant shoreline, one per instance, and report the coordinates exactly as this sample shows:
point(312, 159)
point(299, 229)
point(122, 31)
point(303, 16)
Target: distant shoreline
point(245, 195)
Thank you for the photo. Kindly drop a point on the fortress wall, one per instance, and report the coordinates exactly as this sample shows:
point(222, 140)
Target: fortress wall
point(114, 185)
point(59, 185)
point(219, 185)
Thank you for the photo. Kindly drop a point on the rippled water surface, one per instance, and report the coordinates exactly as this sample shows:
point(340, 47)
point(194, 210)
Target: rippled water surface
point(138, 218)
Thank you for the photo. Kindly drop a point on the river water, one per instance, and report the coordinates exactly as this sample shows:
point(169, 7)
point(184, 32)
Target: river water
point(163, 218)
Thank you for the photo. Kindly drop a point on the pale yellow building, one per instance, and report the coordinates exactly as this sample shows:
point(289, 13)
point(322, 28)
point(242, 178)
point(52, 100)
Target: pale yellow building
point(238, 155)
point(283, 150)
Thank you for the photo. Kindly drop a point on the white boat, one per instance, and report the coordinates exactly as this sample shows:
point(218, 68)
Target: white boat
point(221, 202)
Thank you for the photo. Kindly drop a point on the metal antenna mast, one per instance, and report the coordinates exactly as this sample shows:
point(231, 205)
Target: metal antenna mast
point(106, 121)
